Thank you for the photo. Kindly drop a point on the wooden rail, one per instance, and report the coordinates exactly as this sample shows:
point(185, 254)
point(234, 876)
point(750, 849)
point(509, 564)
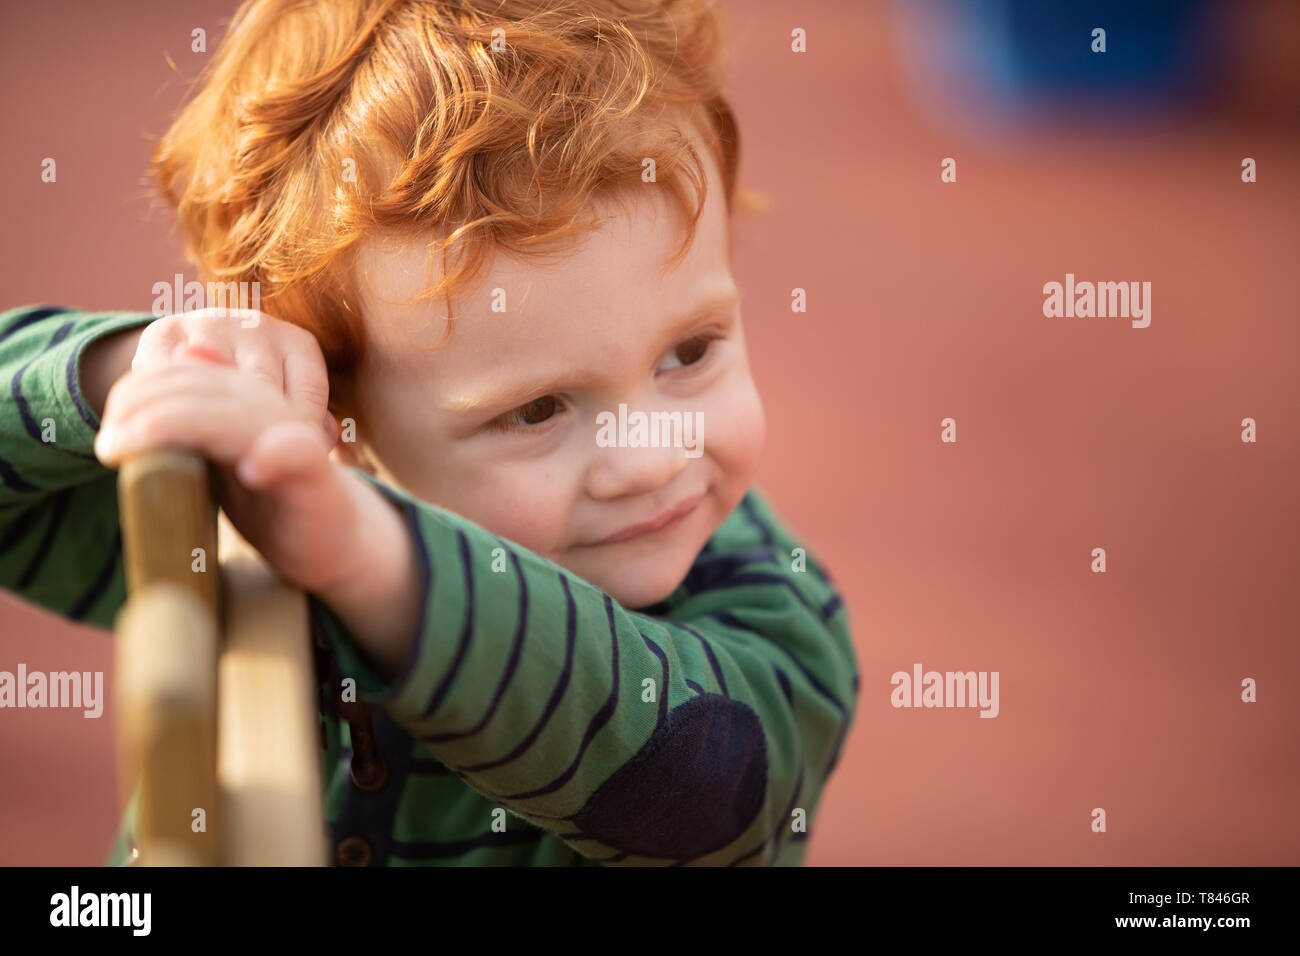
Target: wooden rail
point(218, 722)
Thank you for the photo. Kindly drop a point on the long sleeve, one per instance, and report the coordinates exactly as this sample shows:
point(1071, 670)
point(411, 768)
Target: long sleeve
point(60, 546)
point(701, 730)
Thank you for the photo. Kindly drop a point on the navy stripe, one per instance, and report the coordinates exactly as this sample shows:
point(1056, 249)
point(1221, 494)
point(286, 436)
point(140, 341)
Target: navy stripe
point(424, 562)
point(660, 718)
point(750, 511)
point(708, 652)
point(741, 859)
point(428, 850)
point(32, 317)
point(694, 686)
point(751, 515)
point(512, 663)
point(96, 590)
point(7, 471)
point(466, 631)
point(663, 696)
point(711, 572)
point(784, 681)
point(58, 509)
point(18, 530)
point(74, 386)
point(784, 826)
point(831, 606)
point(601, 718)
point(732, 621)
point(561, 686)
point(706, 570)
point(24, 410)
point(16, 383)
point(12, 479)
point(835, 750)
point(758, 577)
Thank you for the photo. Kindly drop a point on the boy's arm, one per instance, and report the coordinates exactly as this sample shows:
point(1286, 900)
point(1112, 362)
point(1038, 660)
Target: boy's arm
point(60, 546)
point(705, 736)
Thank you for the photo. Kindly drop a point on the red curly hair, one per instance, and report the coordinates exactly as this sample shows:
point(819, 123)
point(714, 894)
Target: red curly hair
point(319, 124)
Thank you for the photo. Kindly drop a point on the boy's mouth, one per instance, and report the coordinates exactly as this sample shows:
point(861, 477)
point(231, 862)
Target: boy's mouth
point(671, 517)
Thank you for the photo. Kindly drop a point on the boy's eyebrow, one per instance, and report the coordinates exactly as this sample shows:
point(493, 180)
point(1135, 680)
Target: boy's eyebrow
point(513, 393)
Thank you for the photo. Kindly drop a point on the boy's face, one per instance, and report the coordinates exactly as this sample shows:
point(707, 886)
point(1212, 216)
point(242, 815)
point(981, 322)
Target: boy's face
point(501, 424)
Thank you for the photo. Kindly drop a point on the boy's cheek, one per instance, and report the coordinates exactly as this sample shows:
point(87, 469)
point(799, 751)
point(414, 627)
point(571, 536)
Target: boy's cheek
point(735, 431)
point(521, 507)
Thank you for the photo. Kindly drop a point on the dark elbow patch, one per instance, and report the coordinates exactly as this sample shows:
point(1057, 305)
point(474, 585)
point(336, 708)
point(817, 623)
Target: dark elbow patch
point(694, 787)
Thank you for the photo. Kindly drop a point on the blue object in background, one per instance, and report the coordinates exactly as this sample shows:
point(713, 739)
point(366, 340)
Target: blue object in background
point(1025, 55)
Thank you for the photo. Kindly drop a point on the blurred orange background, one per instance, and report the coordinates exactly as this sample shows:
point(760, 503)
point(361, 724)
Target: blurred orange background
point(1118, 690)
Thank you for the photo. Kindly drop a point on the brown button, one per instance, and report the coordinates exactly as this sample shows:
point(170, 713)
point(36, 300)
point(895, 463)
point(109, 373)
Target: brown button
point(355, 851)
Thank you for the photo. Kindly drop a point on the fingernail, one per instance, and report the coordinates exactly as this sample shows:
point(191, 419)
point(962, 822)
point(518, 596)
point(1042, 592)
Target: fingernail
point(106, 441)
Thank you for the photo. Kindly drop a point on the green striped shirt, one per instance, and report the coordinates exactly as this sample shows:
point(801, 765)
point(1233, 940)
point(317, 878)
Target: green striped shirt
point(537, 722)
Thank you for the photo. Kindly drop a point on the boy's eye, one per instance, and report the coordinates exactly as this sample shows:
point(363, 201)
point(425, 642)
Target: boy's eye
point(541, 410)
point(534, 413)
point(691, 351)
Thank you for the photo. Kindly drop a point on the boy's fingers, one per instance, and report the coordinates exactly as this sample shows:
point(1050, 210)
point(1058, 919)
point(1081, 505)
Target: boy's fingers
point(306, 382)
point(285, 451)
point(141, 389)
point(268, 366)
point(156, 344)
point(219, 425)
point(214, 409)
point(331, 429)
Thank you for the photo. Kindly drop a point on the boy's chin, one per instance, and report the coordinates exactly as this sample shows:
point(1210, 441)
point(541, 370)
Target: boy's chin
point(635, 588)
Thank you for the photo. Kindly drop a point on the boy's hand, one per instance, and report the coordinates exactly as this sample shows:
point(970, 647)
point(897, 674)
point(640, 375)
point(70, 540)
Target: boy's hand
point(248, 392)
point(251, 398)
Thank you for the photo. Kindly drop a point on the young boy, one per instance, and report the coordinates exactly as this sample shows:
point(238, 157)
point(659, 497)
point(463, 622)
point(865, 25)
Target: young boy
point(610, 637)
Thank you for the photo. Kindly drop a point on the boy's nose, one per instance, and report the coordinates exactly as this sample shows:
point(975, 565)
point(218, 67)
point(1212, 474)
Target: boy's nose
point(620, 471)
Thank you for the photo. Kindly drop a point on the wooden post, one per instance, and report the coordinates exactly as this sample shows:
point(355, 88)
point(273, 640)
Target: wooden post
point(216, 680)
point(166, 682)
point(166, 654)
point(166, 511)
point(268, 760)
